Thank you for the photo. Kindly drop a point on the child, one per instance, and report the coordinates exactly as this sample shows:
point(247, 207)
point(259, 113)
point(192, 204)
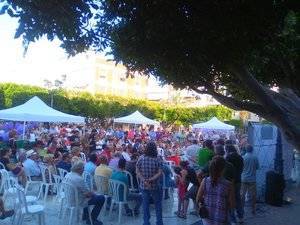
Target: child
point(182, 189)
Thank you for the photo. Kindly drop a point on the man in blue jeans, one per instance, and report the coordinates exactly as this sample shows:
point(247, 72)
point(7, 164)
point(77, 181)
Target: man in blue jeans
point(149, 171)
point(85, 197)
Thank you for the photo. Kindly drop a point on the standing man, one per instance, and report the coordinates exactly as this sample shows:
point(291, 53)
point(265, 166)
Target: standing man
point(238, 163)
point(149, 171)
point(205, 154)
point(251, 165)
point(192, 153)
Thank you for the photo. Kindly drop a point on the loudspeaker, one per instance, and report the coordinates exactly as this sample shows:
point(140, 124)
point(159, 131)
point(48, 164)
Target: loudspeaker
point(275, 185)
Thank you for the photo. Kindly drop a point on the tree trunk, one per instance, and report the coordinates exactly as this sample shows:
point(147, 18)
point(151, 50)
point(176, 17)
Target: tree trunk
point(282, 107)
point(288, 119)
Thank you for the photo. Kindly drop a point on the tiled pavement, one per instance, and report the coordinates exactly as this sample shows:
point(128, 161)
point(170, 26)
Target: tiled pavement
point(266, 215)
point(169, 207)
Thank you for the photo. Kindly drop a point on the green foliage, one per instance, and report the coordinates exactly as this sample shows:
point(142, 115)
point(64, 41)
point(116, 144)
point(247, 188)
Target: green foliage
point(196, 52)
point(235, 122)
point(2, 98)
point(233, 50)
point(107, 106)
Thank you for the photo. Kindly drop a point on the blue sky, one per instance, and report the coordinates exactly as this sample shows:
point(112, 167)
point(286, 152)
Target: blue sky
point(43, 60)
point(28, 69)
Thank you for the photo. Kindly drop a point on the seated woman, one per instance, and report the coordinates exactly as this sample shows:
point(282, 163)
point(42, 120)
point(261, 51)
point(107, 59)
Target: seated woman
point(15, 168)
point(65, 162)
point(113, 164)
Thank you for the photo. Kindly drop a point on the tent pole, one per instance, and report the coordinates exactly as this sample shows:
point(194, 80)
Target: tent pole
point(24, 123)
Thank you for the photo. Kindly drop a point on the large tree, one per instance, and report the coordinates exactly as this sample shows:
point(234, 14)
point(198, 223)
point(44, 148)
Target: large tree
point(245, 53)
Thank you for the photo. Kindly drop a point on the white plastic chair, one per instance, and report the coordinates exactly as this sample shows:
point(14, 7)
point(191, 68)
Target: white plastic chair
point(115, 189)
point(60, 195)
point(2, 181)
point(57, 181)
point(46, 181)
point(31, 182)
point(25, 209)
point(131, 182)
point(100, 181)
point(2, 166)
point(62, 173)
point(89, 180)
point(71, 203)
point(7, 184)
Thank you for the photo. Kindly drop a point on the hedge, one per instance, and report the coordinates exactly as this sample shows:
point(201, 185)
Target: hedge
point(108, 106)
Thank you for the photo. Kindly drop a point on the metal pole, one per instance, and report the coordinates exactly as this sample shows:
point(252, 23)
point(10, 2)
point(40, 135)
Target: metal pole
point(24, 123)
point(51, 103)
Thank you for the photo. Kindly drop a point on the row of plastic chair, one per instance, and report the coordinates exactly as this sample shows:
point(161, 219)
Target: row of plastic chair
point(71, 203)
point(23, 204)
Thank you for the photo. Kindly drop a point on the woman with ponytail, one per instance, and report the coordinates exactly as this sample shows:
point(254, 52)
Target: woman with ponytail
point(216, 194)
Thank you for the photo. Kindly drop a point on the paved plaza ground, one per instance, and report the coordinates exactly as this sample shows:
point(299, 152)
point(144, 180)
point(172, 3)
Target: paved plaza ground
point(289, 214)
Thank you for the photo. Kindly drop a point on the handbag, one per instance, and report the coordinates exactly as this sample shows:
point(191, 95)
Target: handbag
point(203, 211)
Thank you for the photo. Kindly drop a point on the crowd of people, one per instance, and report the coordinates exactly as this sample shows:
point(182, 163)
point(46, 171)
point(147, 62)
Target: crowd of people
point(214, 171)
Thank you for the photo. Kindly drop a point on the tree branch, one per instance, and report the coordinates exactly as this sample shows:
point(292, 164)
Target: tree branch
point(259, 91)
point(233, 103)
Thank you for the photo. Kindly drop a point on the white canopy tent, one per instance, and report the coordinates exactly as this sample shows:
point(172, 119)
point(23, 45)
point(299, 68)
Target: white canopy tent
point(214, 124)
point(136, 118)
point(37, 111)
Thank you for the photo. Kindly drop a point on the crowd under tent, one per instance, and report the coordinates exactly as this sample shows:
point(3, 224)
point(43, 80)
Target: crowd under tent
point(35, 110)
point(136, 118)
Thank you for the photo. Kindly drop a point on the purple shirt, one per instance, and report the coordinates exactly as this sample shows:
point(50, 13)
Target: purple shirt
point(216, 201)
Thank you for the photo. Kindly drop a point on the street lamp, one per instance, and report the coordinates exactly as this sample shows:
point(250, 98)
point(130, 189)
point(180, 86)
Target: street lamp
point(53, 86)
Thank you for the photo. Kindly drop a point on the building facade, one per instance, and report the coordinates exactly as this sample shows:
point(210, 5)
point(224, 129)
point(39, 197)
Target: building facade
point(96, 74)
point(112, 79)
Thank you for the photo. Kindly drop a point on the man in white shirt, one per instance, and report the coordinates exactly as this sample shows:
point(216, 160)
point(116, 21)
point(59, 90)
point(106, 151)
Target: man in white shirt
point(31, 165)
point(126, 155)
point(32, 137)
point(85, 197)
point(191, 153)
